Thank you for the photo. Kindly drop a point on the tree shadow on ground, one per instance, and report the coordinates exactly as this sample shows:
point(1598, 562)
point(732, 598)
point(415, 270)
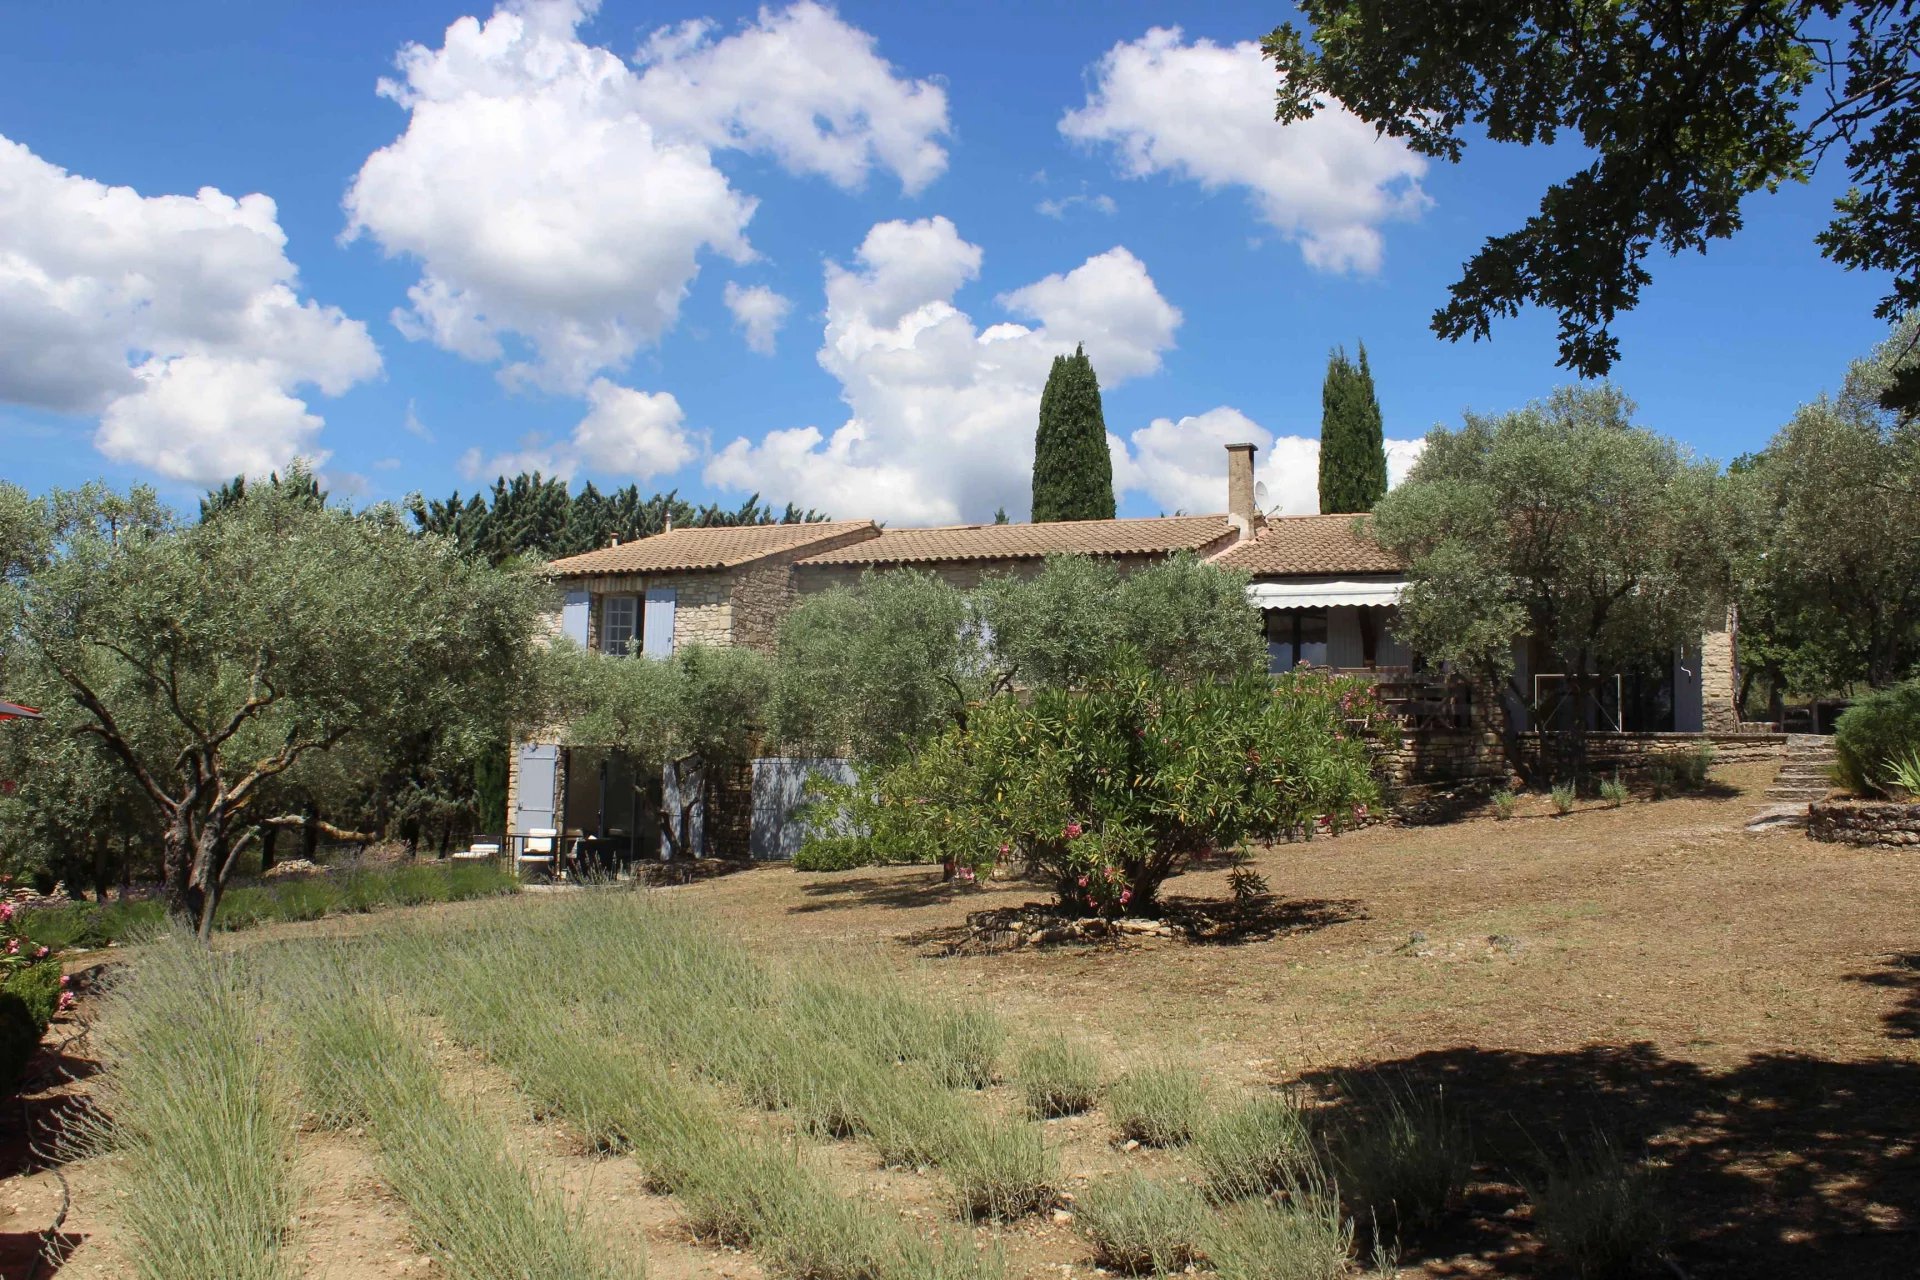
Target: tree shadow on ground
point(1787, 1166)
point(1902, 974)
point(874, 891)
point(1228, 922)
point(1194, 921)
point(38, 1128)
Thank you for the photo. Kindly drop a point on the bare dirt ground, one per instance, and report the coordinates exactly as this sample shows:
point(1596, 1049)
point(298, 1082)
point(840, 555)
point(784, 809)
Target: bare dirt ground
point(1744, 1007)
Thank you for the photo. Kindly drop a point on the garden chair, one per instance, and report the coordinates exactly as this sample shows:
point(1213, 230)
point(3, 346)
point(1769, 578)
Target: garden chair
point(537, 849)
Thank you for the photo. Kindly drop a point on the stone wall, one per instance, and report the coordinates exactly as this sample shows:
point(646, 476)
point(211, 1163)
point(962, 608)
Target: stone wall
point(730, 812)
point(1630, 753)
point(766, 591)
point(1719, 681)
point(1883, 823)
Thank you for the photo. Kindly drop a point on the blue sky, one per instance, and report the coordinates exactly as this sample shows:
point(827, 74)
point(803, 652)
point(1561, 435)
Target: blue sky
point(546, 247)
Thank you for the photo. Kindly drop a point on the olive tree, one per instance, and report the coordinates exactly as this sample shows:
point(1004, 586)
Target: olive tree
point(694, 715)
point(1829, 597)
point(1563, 524)
point(884, 665)
point(210, 659)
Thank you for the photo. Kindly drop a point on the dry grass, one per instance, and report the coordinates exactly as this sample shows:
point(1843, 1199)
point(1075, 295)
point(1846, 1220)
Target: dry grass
point(1740, 1006)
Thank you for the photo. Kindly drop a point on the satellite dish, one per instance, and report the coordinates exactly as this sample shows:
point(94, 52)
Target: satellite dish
point(1260, 493)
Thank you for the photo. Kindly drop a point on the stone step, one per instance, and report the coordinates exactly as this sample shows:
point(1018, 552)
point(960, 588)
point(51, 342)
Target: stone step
point(1778, 817)
point(1796, 793)
point(1808, 773)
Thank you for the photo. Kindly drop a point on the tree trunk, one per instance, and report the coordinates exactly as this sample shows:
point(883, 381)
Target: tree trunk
point(310, 833)
point(267, 839)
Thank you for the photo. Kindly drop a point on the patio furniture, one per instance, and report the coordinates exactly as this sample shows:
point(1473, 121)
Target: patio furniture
point(477, 853)
point(537, 849)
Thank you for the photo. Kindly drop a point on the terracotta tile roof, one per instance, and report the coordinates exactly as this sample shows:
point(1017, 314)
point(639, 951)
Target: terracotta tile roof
point(714, 548)
point(1310, 545)
point(1155, 536)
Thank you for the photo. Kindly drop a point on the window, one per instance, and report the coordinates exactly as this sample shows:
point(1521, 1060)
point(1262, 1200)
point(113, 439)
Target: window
point(619, 624)
point(1293, 637)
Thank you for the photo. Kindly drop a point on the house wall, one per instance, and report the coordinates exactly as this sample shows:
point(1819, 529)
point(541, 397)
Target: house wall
point(703, 602)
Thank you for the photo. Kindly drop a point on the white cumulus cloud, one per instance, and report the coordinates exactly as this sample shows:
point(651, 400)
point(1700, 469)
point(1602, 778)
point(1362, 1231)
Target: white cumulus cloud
point(1183, 465)
point(174, 318)
point(943, 410)
point(802, 86)
point(636, 434)
point(758, 312)
point(1204, 112)
point(559, 199)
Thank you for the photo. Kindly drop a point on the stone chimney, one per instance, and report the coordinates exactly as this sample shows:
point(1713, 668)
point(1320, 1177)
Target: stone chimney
point(1242, 512)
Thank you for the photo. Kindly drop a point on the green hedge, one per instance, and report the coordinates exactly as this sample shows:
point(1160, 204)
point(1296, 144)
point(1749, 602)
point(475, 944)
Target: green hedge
point(28, 997)
point(1872, 732)
point(84, 925)
point(835, 853)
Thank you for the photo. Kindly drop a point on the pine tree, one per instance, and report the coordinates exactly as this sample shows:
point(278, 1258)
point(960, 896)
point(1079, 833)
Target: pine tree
point(1072, 470)
point(1353, 454)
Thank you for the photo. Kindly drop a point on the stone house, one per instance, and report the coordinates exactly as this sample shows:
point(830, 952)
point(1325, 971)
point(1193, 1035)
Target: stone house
point(1327, 594)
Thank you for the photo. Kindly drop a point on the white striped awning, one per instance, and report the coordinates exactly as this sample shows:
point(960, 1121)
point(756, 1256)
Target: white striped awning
point(1319, 593)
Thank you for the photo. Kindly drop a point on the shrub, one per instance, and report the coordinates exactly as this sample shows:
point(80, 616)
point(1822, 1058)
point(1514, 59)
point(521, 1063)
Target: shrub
point(1690, 767)
point(1158, 1106)
point(1252, 1148)
point(1614, 792)
point(20, 1034)
point(995, 1169)
point(1402, 1155)
point(1140, 1226)
point(835, 853)
point(1107, 791)
point(1903, 774)
point(201, 1120)
point(1304, 1237)
point(1600, 1212)
point(1563, 798)
point(1876, 730)
point(1505, 801)
point(1058, 1078)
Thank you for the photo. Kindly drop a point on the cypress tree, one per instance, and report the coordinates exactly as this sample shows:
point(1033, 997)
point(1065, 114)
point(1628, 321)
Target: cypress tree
point(1072, 470)
point(1353, 452)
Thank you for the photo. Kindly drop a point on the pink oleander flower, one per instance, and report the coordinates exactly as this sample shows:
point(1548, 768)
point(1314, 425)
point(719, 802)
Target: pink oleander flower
point(66, 1001)
point(1005, 849)
point(65, 979)
point(1073, 831)
point(1109, 873)
point(6, 911)
point(13, 946)
point(1126, 896)
point(41, 954)
point(1083, 882)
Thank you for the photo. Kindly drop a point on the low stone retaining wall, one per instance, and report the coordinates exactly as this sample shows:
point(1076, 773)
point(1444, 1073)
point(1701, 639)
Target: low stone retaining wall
point(1632, 752)
point(1865, 822)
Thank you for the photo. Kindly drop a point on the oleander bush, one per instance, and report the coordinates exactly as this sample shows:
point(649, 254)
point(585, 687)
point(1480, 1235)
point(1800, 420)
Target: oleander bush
point(1106, 791)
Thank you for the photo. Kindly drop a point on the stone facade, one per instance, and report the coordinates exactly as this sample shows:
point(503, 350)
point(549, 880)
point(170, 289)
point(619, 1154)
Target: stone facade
point(1719, 679)
point(1884, 823)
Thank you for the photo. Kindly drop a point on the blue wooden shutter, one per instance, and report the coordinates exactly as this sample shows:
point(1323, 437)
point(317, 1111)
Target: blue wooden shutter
point(656, 629)
point(573, 617)
point(534, 787)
